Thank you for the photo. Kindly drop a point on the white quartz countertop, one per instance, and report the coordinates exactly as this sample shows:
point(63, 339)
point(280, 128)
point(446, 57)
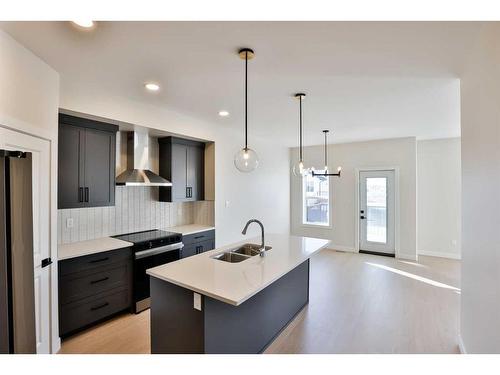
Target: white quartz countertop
point(190, 229)
point(98, 245)
point(234, 283)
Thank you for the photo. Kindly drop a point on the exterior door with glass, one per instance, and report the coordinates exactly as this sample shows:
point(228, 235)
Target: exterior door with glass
point(377, 211)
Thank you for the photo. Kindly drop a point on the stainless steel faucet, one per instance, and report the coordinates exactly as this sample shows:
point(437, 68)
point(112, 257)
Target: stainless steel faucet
point(262, 250)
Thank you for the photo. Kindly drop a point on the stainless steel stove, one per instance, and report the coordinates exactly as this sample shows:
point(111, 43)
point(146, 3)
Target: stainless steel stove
point(151, 248)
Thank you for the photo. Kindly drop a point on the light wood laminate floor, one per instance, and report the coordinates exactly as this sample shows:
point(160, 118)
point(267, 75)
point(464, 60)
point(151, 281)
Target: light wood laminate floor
point(358, 304)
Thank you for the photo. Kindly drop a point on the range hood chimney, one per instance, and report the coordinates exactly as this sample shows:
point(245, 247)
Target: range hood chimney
point(138, 172)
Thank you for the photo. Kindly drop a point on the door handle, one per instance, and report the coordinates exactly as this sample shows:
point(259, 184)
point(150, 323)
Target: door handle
point(46, 262)
point(80, 194)
point(86, 194)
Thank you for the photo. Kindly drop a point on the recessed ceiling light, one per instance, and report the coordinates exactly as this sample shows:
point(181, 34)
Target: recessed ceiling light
point(86, 24)
point(223, 113)
point(152, 86)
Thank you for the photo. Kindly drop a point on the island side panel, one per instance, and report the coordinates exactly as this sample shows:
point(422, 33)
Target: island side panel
point(253, 325)
point(176, 326)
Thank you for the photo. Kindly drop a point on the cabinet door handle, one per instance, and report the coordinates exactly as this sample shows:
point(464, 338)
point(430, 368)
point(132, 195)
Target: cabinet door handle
point(99, 280)
point(80, 194)
point(99, 307)
point(99, 260)
point(87, 194)
point(197, 237)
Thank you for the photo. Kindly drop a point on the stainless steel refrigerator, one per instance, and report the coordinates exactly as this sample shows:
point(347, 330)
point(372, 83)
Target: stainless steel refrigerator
point(17, 300)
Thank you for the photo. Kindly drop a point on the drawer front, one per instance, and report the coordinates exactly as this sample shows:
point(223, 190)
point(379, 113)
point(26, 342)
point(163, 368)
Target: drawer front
point(188, 250)
point(79, 314)
point(198, 248)
point(94, 261)
point(199, 237)
point(204, 246)
point(80, 285)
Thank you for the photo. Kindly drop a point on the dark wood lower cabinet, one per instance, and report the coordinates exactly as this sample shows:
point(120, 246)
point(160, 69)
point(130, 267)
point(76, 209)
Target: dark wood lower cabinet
point(83, 313)
point(93, 288)
point(198, 243)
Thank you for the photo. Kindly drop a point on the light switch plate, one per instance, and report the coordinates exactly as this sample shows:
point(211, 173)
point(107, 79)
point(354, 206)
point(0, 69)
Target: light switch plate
point(69, 222)
point(197, 301)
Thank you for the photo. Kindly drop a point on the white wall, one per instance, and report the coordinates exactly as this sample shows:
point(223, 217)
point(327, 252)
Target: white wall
point(399, 152)
point(262, 194)
point(29, 90)
point(439, 197)
point(29, 99)
point(480, 296)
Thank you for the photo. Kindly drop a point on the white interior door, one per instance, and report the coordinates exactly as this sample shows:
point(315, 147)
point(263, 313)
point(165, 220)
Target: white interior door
point(377, 211)
point(40, 151)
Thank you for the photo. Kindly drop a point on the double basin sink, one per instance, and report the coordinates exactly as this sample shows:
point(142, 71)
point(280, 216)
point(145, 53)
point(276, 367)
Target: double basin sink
point(240, 253)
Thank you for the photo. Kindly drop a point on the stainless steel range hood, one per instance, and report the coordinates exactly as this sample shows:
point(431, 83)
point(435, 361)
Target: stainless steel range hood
point(138, 172)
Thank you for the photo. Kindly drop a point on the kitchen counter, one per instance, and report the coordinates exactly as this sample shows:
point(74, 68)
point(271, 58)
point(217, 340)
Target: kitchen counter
point(98, 245)
point(190, 229)
point(234, 283)
point(205, 305)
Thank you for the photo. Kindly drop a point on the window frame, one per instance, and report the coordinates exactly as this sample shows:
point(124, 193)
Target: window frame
point(303, 221)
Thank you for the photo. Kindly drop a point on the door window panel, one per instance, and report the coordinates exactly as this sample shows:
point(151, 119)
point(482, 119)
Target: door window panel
point(376, 205)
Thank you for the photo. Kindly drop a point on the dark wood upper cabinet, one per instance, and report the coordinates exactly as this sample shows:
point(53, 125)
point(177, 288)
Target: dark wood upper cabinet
point(86, 176)
point(182, 162)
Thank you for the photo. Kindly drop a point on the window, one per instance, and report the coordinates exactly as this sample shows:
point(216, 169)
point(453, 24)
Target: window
point(316, 200)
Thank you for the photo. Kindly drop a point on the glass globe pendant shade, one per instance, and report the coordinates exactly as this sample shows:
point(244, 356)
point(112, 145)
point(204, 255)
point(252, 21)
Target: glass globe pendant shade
point(299, 169)
point(246, 160)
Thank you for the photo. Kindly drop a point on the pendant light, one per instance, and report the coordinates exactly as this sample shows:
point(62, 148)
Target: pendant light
point(299, 168)
point(325, 173)
point(246, 160)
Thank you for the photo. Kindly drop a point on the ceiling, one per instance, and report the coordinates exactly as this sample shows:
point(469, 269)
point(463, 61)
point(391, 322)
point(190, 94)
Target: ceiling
point(364, 80)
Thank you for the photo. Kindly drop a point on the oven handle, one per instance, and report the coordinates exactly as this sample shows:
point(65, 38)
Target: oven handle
point(158, 250)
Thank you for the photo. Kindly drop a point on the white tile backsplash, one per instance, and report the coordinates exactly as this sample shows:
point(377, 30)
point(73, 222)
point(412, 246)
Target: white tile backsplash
point(136, 208)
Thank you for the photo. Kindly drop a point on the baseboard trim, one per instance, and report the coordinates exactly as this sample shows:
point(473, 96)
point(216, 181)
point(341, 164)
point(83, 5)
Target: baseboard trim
point(56, 346)
point(346, 249)
point(439, 254)
point(461, 345)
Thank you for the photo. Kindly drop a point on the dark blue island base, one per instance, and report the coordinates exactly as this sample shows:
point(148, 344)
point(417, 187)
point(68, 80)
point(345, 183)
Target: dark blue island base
point(220, 328)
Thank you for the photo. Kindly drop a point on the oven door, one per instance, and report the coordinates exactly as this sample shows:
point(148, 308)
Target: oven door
point(148, 259)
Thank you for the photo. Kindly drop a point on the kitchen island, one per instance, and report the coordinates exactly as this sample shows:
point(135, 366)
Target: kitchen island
point(205, 305)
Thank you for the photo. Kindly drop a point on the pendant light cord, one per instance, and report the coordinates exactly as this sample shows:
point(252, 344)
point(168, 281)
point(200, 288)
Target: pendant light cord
point(326, 152)
point(300, 128)
point(246, 100)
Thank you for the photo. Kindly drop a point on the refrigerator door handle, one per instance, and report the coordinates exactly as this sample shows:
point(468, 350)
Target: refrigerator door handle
point(46, 262)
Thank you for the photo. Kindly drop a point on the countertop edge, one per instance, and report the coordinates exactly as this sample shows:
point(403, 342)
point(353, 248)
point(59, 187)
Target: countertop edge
point(187, 233)
point(230, 301)
point(118, 246)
